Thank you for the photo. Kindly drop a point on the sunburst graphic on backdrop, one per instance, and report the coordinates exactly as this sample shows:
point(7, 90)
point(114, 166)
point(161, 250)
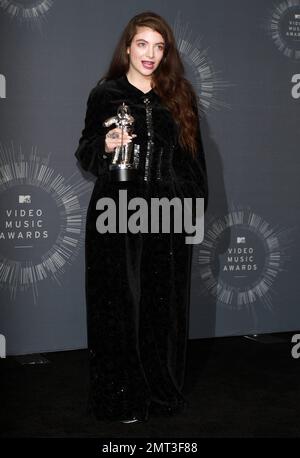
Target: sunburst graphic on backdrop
point(207, 81)
point(241, 258)
point(27, 10)
point(283, 25)
point(41, 220)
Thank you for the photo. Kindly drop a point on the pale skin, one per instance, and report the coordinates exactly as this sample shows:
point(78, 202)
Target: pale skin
point(146, 48)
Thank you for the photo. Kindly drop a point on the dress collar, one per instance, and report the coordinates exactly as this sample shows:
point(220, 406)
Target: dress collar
point(133, 89)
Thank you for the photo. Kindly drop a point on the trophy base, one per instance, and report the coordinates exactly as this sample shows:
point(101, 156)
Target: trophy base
point(124, 174)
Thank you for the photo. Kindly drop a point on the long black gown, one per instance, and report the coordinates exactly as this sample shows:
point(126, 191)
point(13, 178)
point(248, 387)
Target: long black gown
point(137, 285)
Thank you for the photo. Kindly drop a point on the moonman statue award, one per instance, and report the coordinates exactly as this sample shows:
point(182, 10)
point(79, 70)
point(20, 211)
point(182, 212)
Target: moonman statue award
point(124, 165)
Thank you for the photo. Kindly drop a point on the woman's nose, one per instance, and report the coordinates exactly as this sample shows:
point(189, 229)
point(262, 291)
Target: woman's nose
point(150, 52)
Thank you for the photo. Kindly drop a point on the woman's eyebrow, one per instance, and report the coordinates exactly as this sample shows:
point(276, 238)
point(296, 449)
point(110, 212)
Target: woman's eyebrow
point(142, 39)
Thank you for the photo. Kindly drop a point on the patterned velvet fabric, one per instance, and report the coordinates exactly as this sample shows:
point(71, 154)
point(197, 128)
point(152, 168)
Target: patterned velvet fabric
point(137, 285)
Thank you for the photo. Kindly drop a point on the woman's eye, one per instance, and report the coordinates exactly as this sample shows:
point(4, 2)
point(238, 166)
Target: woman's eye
point(141, 45)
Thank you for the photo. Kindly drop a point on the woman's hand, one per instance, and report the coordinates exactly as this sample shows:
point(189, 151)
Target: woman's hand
point(114, 139)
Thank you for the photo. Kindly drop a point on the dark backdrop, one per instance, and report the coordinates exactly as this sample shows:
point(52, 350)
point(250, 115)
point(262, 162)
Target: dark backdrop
point(243, 59)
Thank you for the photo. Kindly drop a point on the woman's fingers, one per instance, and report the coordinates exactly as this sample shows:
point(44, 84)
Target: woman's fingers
point(116, 138)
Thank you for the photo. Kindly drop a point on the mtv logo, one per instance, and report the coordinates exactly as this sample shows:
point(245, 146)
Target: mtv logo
point(2, 346)
point(240, 240)
point(24, 199)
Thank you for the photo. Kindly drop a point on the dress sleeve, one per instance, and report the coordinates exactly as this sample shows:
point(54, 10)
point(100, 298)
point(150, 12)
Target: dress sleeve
point(91, 149)
point(191, 172)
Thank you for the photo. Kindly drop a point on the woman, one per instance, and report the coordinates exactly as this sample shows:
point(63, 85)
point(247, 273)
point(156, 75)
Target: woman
point(137, 284)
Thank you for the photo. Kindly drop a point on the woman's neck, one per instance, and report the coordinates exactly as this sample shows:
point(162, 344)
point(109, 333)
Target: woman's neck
point(143, 84)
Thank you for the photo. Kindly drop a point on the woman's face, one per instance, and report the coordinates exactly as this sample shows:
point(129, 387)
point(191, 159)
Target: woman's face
point(145, 51)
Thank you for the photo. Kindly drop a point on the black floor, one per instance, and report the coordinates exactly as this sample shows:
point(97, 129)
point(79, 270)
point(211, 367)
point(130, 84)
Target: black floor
point(236, 387)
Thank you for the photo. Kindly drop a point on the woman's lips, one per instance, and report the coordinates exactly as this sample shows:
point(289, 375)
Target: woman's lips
point(147, 64)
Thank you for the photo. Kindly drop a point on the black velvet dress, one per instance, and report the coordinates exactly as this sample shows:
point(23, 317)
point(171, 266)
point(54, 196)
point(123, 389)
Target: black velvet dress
point(137, 285)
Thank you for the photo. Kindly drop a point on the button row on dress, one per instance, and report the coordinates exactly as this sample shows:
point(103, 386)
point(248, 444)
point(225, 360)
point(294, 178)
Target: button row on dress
point(150, 137)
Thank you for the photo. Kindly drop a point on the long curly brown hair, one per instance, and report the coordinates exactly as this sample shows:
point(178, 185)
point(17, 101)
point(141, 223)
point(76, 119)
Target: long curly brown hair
point(168, 80)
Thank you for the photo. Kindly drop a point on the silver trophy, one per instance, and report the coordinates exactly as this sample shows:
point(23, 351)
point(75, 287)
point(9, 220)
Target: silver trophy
point(124, 165)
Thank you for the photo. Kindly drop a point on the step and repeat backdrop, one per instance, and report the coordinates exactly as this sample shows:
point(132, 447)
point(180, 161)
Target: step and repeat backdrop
point(243, 59)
